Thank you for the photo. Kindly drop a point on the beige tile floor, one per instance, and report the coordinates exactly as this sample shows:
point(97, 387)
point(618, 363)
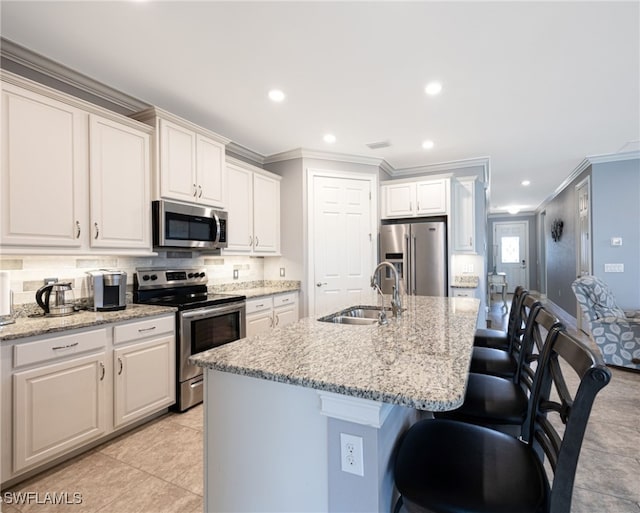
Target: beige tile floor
point(157, 468)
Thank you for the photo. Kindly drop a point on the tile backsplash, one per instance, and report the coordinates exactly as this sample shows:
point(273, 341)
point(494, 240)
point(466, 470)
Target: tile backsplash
point(27, 273)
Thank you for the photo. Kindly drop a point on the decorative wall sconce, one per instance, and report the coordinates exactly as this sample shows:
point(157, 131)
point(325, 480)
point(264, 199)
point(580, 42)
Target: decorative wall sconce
point(556, 229)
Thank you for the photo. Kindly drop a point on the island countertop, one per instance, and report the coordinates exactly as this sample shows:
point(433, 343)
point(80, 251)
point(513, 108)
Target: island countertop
point(420, 360)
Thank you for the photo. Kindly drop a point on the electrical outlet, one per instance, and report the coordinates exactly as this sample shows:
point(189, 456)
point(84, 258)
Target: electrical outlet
point(351, 454)
point(47, 281)
point(235, 274)
point(613, 268)
point(282, 272)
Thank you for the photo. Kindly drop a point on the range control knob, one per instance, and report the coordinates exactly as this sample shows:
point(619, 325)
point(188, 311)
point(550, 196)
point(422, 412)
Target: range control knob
point(145, 277)
point(154, 277)
point(202, 275)
point(190, 275)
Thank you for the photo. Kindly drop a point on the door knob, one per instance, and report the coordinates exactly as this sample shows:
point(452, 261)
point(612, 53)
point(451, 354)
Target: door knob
point(320, 284)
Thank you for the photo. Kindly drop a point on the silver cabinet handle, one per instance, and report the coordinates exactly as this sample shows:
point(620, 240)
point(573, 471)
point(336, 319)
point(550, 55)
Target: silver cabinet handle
point(97, 230)
point(200, 191)
point(418, 205)
point(195, 190)
point(257, 241)
point(285, 300)
point(271, 322)
point(121, 366)
point(66, 347)
point(78, 229)
point(140, 330)
point(277, 319)
point(103, 370)
point(470, 241)
point(410, 206)
point(250, 240)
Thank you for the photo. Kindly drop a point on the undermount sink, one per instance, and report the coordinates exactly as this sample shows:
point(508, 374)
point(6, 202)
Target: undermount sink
point(361, 315)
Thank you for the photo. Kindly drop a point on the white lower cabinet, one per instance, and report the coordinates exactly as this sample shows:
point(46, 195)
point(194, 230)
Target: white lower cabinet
point(268, 312)
point(60, 393)
point(59, 406)
point(144, 370)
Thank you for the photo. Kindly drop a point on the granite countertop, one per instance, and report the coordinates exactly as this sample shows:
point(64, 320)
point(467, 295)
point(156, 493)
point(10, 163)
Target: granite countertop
point(261, 289)
point(32, 326)
point(465, 282)
point(420, 361)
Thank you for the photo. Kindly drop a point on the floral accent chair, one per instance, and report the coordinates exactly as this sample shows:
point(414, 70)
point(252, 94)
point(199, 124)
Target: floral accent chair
point(616, 333)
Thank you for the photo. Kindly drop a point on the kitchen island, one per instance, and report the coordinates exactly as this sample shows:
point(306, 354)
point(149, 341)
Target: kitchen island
point(277, 405)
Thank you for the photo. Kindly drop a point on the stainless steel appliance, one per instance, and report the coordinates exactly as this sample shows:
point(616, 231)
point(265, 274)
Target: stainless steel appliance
point(56, 299)
point(203, 320)
point(418, 251)
point(181, 226)
point(108, 290)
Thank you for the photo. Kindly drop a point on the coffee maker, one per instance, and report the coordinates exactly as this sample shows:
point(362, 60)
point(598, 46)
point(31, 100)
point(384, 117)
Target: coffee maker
point(108, 290)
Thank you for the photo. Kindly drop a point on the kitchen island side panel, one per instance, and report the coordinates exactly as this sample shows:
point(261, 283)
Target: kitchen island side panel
point(265, 446)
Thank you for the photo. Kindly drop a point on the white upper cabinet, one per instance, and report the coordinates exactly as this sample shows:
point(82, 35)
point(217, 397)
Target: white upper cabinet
point(119, 185)
point(190, 160)
point(464, 219)
point(74, 176)
point(253, 204)
point(415, 198)
point(44, 170)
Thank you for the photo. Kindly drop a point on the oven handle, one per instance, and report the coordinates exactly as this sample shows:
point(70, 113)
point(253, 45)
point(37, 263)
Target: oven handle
point(200, 313)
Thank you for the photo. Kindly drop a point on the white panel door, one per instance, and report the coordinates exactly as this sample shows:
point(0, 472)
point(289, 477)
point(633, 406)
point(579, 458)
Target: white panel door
point(119, 185)
point(44, 171)
point(511, 246)
point(177, 162)
point(342, 240)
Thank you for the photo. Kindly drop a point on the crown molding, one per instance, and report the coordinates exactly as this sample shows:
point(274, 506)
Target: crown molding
point(303, 153)
point(52, 70)
point(243, 153)
point(442, 167)
point(584, 164)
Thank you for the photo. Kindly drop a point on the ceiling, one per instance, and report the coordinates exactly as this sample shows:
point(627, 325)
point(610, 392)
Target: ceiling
point(537, 87)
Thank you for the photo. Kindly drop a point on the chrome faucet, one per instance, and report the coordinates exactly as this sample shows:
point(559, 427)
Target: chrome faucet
point(396, 301)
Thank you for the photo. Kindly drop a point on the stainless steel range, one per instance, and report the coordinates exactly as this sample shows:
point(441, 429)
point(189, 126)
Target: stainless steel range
point(203, 320)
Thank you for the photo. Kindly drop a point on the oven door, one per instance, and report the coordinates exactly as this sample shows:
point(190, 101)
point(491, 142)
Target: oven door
point(205, 328)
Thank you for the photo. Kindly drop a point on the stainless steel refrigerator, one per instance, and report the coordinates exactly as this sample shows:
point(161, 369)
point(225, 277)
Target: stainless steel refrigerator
point(418, 251)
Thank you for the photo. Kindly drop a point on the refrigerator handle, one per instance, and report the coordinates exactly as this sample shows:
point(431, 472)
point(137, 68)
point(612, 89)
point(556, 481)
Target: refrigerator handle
point(413, 266)
point(407, 264)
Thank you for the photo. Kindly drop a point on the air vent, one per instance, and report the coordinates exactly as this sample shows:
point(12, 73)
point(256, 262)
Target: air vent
point(379, 144)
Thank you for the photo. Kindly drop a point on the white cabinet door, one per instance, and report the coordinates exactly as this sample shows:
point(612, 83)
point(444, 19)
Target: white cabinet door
point(177, 162)
point(266, 214)
point(57, 408)
point(119, 185)
point(284, 315)
point(464, 222)
point(44, 171)
point(210, 172)
point(431, 197)
point(240, 209)
point(260, 322)
point(399, 200)
point(144, 379)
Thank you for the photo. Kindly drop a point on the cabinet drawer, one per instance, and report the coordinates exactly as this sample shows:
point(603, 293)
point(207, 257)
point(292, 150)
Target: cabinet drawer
point(140, 329)
point(259, 304)
point(56, 347)
point(284, 299)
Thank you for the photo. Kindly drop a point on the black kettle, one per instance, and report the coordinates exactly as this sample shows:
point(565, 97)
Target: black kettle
point(56, 299)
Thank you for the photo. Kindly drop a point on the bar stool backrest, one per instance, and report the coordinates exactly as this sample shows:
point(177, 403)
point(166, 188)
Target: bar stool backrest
point(570, 377)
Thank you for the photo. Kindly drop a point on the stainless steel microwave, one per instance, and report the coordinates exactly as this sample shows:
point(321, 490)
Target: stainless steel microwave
point(177, 226)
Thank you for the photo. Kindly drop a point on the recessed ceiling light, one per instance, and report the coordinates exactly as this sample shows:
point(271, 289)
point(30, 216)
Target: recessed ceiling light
point(427, 145)
point(513, 210)
point(433, 88)
point(276, 95)
point(526, 182)
point(329, 138)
